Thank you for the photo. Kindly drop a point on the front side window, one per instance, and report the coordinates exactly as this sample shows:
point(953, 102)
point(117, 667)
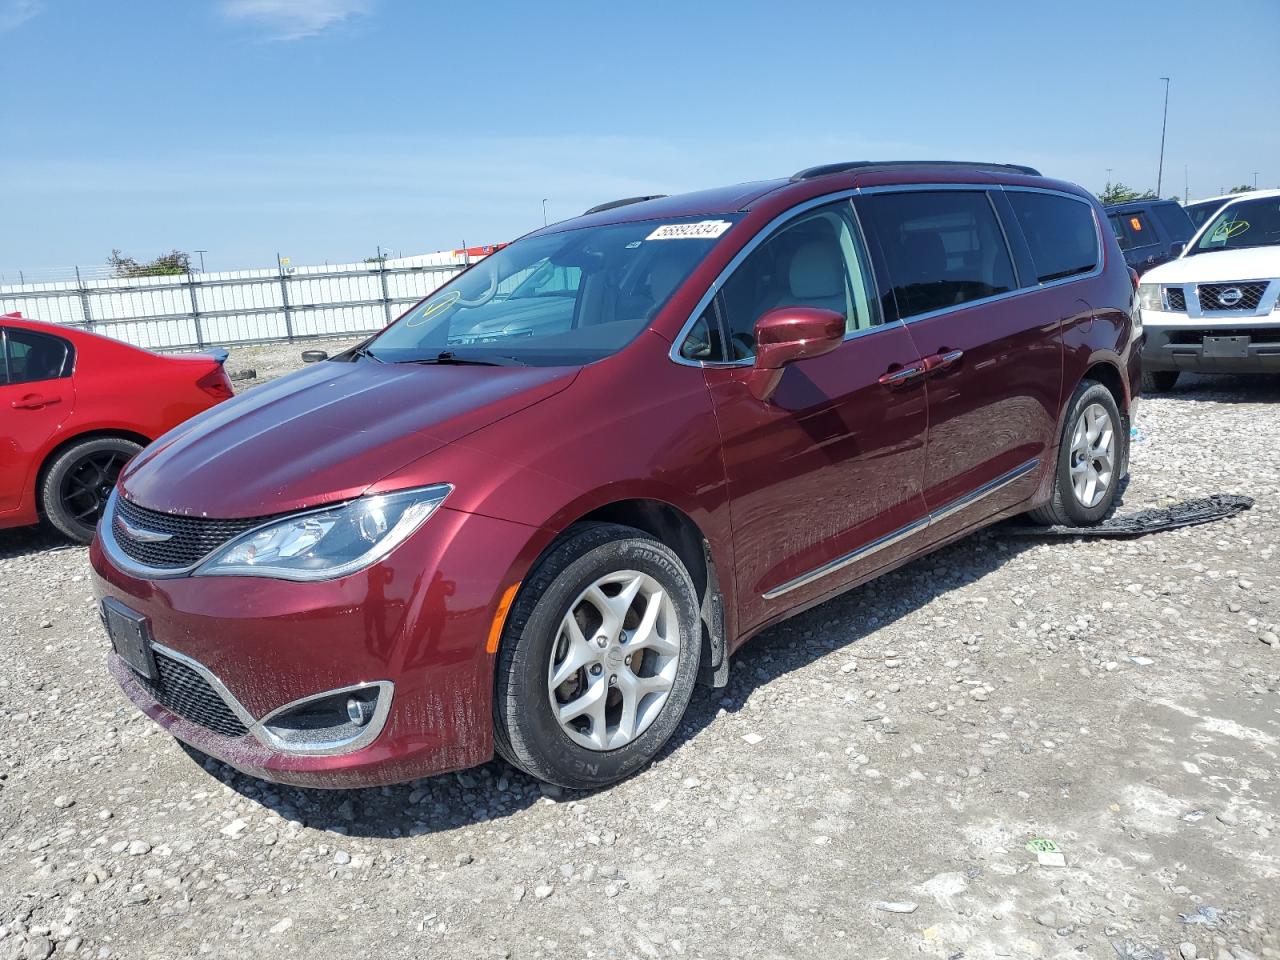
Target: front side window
point(1249, 223)
point(570, 297)
point(1059, 231)
point(815, 260)
point(943, 248)
point(1175, 221)
point(31, 357)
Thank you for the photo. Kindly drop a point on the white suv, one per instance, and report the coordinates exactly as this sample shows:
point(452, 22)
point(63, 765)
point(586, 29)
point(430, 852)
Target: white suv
point(1214, 309)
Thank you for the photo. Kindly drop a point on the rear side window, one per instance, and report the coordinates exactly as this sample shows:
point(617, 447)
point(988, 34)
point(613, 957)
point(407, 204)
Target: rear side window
point(1132, 229)
point(31, 357)
point(1059, 231)
point(942, 248)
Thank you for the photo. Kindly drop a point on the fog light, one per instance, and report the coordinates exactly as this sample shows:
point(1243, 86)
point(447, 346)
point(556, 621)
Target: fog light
point(359, 711)
point(329, 723)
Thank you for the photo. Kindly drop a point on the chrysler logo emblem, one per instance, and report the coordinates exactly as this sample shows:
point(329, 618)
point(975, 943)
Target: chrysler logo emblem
point(1230, 296)
point(142, 536)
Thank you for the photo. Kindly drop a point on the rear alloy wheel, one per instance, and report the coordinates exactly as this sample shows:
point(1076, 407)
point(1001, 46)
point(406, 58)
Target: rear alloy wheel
point(77, 484)
point(1091, 454)
point(598, 659)
point(1158, 381)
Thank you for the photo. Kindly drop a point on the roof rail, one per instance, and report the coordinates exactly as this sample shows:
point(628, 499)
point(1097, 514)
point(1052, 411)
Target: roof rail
point(875, 166)
point(622, 203)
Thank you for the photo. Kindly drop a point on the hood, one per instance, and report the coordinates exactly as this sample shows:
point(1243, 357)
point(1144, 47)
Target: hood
point(1221, 266)
point(325, 433)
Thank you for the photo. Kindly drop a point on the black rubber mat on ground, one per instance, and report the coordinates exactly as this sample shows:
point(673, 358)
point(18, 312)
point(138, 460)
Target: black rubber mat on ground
point(1219, 506)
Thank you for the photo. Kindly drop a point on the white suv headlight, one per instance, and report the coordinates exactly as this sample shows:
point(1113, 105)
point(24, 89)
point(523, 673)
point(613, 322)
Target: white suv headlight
point(330, 542)
point(1149, 296)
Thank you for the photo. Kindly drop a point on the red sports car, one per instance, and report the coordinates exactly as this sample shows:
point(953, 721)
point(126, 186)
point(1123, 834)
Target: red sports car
point(75, 407)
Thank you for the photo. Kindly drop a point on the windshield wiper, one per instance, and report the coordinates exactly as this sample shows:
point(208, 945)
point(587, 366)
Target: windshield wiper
point(449, 358)
point(367, 353)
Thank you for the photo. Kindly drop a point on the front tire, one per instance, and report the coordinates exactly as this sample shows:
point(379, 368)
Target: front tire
point(1091, 452)
point(1158, 381)
point(598, 658)
point(75, 488)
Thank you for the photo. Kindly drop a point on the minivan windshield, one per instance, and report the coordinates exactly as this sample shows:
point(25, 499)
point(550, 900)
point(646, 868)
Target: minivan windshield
point(570, 297)
point(1249, 223)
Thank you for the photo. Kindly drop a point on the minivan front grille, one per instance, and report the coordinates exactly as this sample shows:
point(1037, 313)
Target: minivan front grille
point(183, 691)
point(190, 539)
point(1231, 296)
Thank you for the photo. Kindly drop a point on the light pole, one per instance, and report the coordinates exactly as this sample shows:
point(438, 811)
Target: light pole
point(1163, 125)
point(1255, 179)
point(202, 253)
point(544, 211)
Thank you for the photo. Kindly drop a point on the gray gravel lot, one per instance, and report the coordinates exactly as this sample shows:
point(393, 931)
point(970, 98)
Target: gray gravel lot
point(866, 786)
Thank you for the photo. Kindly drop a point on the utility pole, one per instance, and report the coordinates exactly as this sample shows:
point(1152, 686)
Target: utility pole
point(1255, 179)
point(1163, 125)
point(1186, 186)
point(544, 211)
point(202, 253)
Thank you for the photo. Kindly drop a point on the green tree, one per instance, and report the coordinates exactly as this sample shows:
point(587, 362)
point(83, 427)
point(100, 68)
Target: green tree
point(1243, 188)
point(166, 265)
point(1119, 193)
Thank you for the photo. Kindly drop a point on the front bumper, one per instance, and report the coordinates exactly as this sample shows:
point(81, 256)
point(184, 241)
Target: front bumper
point(417, 621)
point(1177, 343)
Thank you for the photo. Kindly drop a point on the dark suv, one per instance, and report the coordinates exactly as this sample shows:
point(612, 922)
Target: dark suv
point(1150, 232)
point(535, 511)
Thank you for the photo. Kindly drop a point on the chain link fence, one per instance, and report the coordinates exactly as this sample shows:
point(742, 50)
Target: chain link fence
point(195, 310)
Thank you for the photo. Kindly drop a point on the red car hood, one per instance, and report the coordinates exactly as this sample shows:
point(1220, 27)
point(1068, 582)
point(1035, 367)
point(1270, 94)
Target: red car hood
point(325, 433)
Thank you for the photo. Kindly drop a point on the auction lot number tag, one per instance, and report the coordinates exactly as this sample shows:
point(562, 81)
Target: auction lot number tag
point(702, 230)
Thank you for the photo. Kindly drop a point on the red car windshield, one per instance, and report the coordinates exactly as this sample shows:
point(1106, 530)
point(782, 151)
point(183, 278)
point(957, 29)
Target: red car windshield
point(569, 297)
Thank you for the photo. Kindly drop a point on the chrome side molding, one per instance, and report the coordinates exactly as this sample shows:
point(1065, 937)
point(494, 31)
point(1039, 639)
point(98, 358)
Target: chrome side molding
point(911, 529)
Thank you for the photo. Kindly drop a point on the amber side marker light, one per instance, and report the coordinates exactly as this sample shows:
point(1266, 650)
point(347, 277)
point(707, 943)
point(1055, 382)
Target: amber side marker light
point(500, 617)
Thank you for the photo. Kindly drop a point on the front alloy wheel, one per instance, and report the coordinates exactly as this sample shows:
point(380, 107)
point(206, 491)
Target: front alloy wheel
point(615, 660)
point(598, 657)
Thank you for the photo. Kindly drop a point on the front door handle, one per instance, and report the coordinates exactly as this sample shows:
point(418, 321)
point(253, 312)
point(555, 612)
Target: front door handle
point(896, 378)
point(942, 361)
point(34, 401)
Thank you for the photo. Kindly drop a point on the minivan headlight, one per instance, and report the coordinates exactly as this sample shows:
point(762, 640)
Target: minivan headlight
point(1149, 296)
point(330, 542)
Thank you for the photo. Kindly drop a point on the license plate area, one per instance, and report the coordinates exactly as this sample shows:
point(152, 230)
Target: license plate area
point(130, 634)
point(1236, 347)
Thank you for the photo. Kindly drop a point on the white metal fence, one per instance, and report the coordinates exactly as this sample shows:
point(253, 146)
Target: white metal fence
point(189, 311)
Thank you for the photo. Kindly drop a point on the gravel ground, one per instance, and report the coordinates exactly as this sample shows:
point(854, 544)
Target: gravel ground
point(866, 786)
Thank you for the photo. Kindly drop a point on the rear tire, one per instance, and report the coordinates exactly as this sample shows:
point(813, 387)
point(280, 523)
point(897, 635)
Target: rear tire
point(75, 488)
point(1091, 452)
point(1158, 381)
point(614, 613)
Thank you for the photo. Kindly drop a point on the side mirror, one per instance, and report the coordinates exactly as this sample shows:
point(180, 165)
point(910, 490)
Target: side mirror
point(1176, 248)
point(785, 335)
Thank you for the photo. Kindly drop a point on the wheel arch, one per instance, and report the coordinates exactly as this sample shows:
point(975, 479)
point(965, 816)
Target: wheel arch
point(66, 443)
point(674, 527)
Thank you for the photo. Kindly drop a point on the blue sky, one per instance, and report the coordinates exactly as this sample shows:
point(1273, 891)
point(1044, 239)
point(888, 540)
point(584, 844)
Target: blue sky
point(323, 128)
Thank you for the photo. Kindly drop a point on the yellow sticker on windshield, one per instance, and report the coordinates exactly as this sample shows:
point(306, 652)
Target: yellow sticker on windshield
point(1231, 228)
point(702, 230)
point(434, 308)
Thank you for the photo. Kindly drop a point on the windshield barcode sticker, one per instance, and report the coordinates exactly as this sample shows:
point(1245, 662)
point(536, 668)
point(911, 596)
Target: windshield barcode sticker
point(703, 230)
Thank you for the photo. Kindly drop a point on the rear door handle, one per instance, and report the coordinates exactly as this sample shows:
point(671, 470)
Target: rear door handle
point(34, 401)
point(942, 361)
point(895, 378)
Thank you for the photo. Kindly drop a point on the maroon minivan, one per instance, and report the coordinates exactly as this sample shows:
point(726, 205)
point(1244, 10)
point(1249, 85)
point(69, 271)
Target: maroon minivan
point(531, 514)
